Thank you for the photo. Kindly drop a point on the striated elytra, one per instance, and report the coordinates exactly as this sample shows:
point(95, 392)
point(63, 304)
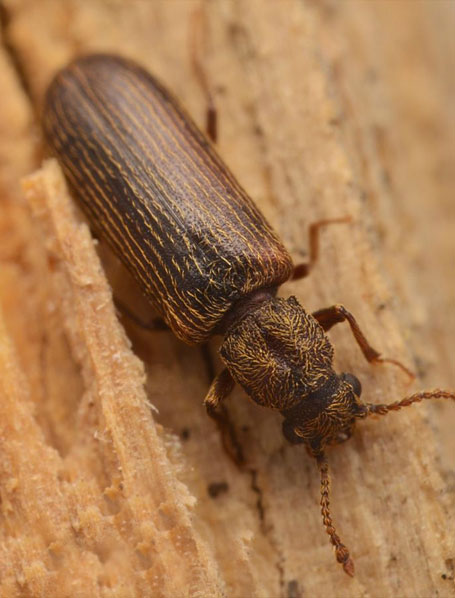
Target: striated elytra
point(154, 188)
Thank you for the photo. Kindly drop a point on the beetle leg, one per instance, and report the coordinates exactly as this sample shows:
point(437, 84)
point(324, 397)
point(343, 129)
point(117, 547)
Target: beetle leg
point(152, 325)
point(335, 314)
point(219, 390)
point(302, 270)
point(198, 24)
point(212, 123)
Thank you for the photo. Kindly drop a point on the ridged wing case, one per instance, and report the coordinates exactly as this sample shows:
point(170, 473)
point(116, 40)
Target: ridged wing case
point(155, 189)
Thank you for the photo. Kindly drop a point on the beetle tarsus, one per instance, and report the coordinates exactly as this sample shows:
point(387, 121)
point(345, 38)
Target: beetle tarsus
point(302, 270)
point(402, 367)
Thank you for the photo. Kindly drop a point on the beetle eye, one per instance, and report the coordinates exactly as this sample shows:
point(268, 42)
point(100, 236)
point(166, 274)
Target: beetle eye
point(354, 382)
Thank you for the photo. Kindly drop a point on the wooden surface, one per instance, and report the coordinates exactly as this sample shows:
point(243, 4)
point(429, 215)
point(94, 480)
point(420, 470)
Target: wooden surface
point(326, 109)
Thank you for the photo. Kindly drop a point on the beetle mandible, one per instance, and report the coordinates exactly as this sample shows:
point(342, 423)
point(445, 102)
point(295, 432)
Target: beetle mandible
point(155, 189)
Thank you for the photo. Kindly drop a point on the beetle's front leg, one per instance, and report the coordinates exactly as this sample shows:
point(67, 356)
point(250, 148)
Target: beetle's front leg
point(335, 314)
point(219, 390)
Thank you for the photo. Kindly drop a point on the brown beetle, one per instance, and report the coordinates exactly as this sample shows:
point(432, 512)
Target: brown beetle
point(153, 186)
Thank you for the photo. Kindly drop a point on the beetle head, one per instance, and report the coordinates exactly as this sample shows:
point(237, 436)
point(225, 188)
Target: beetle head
point(327, 415)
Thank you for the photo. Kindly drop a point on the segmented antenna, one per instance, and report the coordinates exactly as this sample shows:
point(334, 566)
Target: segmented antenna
point(341, 552)
point(382, 409)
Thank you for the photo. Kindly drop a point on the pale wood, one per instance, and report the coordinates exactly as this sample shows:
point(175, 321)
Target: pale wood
point(326, 109)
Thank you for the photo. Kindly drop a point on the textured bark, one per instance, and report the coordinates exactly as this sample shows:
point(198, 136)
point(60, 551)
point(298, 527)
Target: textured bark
point(326, 109)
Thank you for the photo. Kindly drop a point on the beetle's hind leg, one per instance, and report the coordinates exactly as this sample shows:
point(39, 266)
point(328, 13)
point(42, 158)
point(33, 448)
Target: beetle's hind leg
point(335, 314)
point(303, 269)
point(198, 27)
point(220, 389)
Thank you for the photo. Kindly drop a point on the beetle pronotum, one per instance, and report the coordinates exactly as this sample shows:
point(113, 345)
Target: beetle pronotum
point(153, 186)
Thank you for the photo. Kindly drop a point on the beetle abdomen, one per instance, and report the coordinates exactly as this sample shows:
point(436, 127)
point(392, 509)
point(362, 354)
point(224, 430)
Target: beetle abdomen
point(155, 189)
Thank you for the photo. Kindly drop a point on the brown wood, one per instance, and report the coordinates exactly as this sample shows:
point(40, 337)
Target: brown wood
point(326, 110)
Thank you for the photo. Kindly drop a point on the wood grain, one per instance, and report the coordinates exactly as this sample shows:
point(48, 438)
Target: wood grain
point(326, 109)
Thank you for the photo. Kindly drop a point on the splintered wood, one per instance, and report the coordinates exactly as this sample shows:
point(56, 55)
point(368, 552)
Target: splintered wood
point(113, 481)
point(64, 501)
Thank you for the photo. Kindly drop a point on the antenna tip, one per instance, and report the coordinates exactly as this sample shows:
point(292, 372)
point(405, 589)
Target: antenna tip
point(344, 558)
point(348, 567)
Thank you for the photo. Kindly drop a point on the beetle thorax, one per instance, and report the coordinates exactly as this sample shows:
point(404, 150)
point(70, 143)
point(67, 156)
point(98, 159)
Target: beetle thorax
point(278, 353)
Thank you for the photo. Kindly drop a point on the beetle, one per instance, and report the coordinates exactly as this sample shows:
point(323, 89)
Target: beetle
point(153, 186)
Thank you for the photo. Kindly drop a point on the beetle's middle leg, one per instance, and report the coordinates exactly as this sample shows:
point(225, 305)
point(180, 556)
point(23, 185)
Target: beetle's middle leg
point(335, 314)
point(302, 270)
point(220, 389)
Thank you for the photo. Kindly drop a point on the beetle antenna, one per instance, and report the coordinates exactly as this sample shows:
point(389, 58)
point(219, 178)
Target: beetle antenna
point(342, 553)
point(382, 409)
